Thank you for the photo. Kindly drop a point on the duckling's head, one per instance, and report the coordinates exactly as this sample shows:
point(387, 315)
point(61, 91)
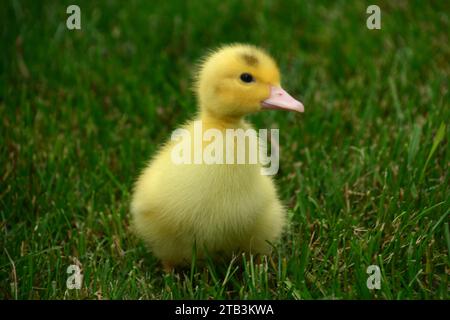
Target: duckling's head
point(239, 79)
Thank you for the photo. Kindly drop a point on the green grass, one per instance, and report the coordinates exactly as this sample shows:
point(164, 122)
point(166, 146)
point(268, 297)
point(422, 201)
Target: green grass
point(364, 171)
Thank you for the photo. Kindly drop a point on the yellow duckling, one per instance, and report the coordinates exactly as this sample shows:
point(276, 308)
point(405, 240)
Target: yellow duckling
point(219, 208)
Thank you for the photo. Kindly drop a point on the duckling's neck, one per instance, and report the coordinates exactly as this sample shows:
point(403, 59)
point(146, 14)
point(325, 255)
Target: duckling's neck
point(221, 121)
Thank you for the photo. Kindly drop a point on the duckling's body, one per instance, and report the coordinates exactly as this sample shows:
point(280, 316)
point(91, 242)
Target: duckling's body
point(224, 208)
point(219, 208)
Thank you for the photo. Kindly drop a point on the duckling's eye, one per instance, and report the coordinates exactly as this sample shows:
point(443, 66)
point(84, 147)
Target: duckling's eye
point(247, 77)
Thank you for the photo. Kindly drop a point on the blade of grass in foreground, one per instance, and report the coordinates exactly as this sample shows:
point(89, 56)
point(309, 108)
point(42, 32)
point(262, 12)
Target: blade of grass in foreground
point(437, 139)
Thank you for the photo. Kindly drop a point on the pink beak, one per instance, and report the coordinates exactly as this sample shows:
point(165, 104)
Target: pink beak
point(280, 99)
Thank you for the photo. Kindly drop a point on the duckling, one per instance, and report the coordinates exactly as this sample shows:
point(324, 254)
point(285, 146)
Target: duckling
point(218, 208)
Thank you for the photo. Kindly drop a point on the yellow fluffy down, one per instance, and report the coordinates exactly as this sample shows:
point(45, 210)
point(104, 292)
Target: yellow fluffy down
point(219, 208)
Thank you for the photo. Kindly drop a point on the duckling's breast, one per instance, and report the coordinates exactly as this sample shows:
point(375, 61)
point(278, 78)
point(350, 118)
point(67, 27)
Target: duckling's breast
point(214, 204)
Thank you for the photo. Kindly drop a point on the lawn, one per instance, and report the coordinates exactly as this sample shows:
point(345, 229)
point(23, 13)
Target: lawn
point(364, 171)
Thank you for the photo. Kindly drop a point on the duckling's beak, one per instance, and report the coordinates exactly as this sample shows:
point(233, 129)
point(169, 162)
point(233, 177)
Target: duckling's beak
point(280, 99)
